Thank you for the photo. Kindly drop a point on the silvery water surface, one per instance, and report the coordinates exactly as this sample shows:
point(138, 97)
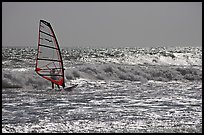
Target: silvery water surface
point(120, 90)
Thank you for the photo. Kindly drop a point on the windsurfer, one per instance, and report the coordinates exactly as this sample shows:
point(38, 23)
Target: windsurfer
point(52, 73)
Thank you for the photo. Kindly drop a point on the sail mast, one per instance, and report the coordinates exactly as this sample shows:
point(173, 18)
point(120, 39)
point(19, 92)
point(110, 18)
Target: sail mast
point(59, 54)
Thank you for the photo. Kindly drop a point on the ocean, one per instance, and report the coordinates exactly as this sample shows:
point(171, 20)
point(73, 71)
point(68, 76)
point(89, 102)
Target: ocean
point(120, 90)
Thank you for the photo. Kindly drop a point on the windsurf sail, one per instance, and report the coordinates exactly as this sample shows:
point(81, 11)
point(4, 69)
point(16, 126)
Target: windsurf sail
point(49, 63)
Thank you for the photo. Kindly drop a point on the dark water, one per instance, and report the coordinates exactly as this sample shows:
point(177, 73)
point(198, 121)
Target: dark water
point(106, 106)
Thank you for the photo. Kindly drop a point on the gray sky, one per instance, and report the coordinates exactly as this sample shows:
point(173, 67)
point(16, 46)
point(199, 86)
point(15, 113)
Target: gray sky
point(104, 24)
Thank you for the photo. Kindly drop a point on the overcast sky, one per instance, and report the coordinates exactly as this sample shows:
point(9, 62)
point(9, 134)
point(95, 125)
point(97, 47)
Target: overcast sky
point(104, 24)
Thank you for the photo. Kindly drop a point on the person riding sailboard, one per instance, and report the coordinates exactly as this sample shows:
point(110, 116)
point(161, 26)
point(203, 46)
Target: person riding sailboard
point(52, 73)
point(49, 63)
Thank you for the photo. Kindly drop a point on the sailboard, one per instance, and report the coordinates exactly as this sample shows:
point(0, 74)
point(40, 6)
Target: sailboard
point(70, 88)
point(49, 56)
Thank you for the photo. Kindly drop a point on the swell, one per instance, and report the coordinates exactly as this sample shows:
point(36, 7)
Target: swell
point(134, 73)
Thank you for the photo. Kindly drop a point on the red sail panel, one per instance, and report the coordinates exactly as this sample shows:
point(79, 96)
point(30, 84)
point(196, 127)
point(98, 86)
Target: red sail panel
point(49, 62)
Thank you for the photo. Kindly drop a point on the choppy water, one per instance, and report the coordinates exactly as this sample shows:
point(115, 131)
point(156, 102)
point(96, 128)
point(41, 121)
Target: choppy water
point(116, 93)
point(25, 57)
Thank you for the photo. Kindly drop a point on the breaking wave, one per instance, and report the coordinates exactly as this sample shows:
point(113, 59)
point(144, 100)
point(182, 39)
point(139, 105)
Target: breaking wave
point(27, 78)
